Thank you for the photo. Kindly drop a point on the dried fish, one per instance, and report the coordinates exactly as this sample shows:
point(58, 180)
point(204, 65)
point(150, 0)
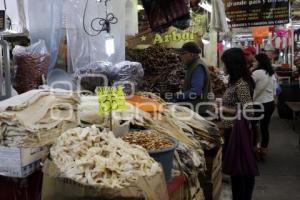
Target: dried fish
point(51, 113)
point(149, 140)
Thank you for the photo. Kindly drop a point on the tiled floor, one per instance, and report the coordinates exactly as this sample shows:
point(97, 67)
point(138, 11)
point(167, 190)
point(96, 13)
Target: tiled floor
point(280, 173)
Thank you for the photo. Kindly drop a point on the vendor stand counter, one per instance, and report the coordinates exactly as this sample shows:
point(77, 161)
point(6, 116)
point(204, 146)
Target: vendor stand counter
point(28, 188)
point(211, 182)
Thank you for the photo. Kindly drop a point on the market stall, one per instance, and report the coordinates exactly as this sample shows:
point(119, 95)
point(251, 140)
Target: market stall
point(95, 119)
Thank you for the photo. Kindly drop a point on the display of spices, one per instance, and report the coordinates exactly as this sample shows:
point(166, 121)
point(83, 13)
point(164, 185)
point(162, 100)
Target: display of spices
point(150, 140)
point(164, 72)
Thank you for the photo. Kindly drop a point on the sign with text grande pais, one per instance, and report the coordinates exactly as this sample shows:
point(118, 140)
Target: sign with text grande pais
point(249, 13)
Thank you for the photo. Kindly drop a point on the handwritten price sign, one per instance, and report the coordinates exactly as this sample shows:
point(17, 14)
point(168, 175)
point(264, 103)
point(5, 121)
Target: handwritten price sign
point(110, 98)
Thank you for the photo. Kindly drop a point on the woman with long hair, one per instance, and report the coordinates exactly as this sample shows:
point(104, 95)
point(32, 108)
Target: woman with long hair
point(237, 97)
point(265, 90)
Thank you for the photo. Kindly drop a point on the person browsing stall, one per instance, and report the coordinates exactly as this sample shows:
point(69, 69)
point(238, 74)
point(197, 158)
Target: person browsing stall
point(265, 90)
point(197, 84)
point(238, 160)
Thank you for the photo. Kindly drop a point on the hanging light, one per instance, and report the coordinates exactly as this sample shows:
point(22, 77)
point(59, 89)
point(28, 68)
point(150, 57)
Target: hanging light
point(205, 38)
point(99, 25)
point(109, 44)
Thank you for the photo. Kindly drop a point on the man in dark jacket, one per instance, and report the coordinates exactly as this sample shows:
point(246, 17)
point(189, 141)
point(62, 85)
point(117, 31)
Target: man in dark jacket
point(197, 88)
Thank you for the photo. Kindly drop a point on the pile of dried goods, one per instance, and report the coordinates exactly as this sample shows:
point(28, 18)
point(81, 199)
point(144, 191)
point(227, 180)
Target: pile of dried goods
point(164, 72)
point(32, 63)
point(148, 140)
point(218, 85)
point(95, 158)
point(37, 117)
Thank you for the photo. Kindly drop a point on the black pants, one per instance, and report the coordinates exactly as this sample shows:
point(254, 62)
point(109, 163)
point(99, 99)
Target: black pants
point(265, 123)
point(242, 187)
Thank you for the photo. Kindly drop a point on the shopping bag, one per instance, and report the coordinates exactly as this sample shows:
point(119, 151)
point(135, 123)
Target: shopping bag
point(239, 157)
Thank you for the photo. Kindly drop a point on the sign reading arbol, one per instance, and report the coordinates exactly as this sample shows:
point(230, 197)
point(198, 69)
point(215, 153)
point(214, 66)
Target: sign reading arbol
point(173, 36)
point(249, 13)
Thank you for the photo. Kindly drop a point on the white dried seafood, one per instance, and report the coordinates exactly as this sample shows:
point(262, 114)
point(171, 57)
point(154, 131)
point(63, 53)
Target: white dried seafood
point(37, 118)
point(96, 158)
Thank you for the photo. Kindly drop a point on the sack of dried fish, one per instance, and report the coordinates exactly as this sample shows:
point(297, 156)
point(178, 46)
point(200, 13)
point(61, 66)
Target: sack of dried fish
point(95, 158)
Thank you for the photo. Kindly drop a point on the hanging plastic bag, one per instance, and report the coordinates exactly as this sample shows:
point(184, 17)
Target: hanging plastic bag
point(32, 63)
point(84, 49)
point(45, 21)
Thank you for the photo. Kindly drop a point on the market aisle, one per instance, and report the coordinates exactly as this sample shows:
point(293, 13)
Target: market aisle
point(280, 173)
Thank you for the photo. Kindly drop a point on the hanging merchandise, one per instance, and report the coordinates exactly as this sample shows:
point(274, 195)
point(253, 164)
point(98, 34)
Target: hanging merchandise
point(131, 17)
point(281, 38)
point(95, 31)
point(218, 21)
point(220, 46)
point(258, 40)
point(259, 32)
point(163, 14)
point(210, 49)
point(49, 27)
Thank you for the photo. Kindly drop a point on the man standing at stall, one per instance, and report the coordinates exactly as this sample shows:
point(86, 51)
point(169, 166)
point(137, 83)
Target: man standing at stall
point(197, 89)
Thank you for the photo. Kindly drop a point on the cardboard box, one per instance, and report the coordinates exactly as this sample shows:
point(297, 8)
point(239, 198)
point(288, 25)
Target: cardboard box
point(21, 162)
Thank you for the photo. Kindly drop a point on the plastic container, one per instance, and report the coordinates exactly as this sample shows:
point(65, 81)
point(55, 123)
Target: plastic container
point(165, 158)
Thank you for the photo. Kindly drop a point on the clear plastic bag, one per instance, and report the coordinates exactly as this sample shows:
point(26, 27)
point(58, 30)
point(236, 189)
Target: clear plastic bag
point(45, 21)
point(32, 63)
point(128, 74)
point(93, 75)
point(84, 49)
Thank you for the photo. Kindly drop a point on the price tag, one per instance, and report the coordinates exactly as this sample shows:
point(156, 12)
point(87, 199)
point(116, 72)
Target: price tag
point(110, 98)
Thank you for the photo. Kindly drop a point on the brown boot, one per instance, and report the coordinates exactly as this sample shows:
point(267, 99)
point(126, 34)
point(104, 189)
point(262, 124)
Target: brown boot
point(263, 153)
point(257, 153)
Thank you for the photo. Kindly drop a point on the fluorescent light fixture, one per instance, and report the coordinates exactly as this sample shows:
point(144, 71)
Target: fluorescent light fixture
point(206, 38)
point(205, 41)
point(109, 45)
point(140, 7)
point(206, 6)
